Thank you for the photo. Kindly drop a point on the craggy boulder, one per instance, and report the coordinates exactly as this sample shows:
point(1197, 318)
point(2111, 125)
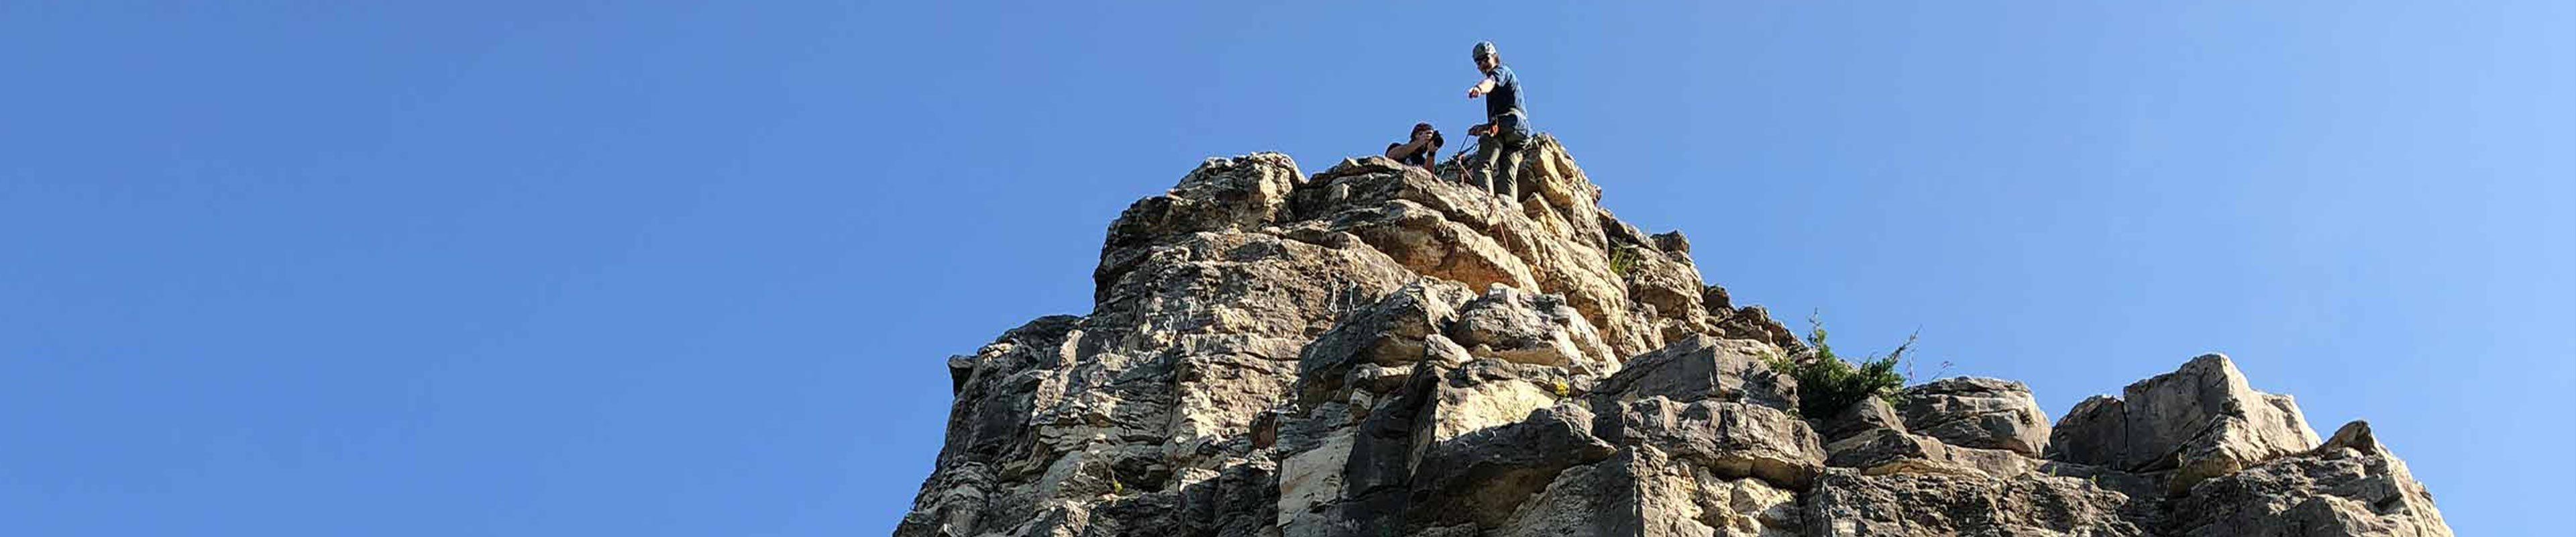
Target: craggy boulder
point(1733, 440)
point(1394, 331)
point(1978, 413)
point(1223, 194)
point(1745, 322)
point(1482, 394)
point(1702, 368)
point(1848, 504)
point(1381, 351)
point(1888, 451)
point(1641, 492)
point(2351, 486)
point(1528, 328)
point(2200, 421)
point(1482, 476)
point(1870, 414)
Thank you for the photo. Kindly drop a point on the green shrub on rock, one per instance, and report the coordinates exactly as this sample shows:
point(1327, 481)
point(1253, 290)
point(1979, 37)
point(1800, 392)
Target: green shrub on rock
point(1827, 384)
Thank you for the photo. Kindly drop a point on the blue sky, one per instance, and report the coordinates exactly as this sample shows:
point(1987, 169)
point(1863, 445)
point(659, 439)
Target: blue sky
point(488, 268)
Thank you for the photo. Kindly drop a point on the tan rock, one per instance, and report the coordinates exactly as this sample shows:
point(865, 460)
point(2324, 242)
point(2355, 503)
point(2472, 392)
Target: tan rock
point(1533, 329)
point(2200, 421)
point(1482, 395)
point(1702, 368)
point(1731, 440)
point(1641, 492)
point(1376, 350)
point(1312, 478)
point(1978, 413)
point(1889, 451)
point(1847, 504)
point(2351, 486)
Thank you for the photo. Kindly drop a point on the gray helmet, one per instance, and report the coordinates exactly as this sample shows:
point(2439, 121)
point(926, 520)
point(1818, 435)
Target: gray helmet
point(1484, 49)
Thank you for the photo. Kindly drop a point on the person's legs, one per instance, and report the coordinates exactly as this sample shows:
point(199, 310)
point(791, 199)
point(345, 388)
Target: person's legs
point(1508, 178)
point(1489, 155)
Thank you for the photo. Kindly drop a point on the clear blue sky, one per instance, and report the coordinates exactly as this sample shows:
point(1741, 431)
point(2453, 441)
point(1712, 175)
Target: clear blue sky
point(592, 268)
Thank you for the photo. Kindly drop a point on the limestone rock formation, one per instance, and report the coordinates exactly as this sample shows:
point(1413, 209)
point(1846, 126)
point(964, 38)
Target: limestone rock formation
point(1977, 412)
point(1378, 350)
point(2201, 421)
point(1870, 414)
point(1848, 504)
point(2349, 486)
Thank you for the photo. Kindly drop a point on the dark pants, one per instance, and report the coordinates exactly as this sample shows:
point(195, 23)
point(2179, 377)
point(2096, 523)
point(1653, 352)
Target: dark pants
point(1497, 164)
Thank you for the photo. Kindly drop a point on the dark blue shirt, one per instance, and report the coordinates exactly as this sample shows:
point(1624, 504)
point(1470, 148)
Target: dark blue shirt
point(1505, 99)
point(1506, 96)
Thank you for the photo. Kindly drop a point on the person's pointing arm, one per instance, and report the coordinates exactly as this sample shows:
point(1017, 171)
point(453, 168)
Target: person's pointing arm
point(1481, 88)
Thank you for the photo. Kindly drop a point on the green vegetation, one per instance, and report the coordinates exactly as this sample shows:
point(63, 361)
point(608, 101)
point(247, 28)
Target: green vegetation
point(1827, 384)
point(1621, 259)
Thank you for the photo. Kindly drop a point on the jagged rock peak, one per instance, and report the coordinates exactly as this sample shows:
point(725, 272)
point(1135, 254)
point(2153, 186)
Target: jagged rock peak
point(1377, 349)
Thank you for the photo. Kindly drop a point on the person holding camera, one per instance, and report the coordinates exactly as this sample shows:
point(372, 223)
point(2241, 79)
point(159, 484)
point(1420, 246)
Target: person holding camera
point(1420, 150)
point(1506, 130)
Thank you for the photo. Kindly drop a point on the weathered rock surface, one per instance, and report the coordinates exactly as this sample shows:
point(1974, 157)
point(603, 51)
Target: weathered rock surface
point(1376, 350)
point(1978, 413)
point(1701, 367)
point(1870, 414)
point(1889, 451)
point(1531, 329)
point(2201, 421)
point(1641, 492)
point(1850, 504)
point(2349, 486)
point(1733, 440)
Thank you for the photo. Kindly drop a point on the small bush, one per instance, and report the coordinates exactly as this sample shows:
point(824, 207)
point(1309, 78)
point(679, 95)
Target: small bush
point(1827, 384)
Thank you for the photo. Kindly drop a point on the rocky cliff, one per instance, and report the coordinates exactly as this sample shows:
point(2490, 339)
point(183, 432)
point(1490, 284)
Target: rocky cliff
point(1376, 350)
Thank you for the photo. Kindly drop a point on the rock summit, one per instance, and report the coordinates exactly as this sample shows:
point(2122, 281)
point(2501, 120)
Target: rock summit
point(1376, 350)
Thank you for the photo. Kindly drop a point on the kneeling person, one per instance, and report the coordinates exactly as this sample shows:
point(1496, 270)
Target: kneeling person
point(1418, 151)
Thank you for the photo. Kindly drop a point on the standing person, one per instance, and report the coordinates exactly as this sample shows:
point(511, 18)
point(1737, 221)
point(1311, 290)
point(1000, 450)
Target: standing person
point(1506, 130)
point(1420, 149)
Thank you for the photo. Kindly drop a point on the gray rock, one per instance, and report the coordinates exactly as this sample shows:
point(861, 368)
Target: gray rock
point(1664, 281)
point(1672, 242)
point(1531, 329)
point(1223, 194)
point(2095, 432)
point(1978, 413)
point(1848, 504)
point(1376, 350)
point(1393, 331)
point(1482, 476)
point(1870, 414)
point(1597, 499)
point(2350, 486)
point(1732, 440)
point(1887, 451)
point(2200, 421)
point(1484, 394)
point(1702, 368)
point(1641, 492)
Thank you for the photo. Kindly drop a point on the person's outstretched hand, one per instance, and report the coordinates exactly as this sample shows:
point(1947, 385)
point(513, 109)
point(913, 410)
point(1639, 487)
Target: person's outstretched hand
point(1474, 93)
